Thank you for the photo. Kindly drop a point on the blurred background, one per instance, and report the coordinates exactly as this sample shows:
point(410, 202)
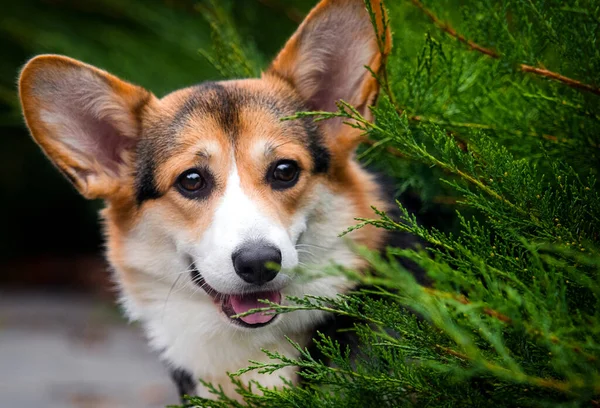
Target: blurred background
point(63, 342)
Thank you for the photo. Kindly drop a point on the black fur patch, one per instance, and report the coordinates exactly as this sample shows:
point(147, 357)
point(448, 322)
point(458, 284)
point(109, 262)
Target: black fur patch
point(184, 382)
point(145, 186)
point(226, 109)
point(316, 146)
point(211, 98)
point(400, 239)
point(153, 147)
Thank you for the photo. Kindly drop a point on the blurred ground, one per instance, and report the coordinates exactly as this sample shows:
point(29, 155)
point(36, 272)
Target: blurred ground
point(62, 350)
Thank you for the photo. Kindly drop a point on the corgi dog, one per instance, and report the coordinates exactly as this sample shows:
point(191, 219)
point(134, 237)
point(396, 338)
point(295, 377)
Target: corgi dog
point(212, 201)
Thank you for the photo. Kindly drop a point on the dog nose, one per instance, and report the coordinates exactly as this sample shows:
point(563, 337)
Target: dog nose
point(257, 263)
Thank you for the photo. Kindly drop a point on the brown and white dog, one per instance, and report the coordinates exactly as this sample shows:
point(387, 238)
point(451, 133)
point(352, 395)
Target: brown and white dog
point(213, 202)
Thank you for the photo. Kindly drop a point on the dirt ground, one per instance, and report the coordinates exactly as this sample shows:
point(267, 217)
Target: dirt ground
point(63, 350)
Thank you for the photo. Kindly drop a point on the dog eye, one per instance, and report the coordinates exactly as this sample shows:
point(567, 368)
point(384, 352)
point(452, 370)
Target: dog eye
point(192, 184)
point(283, 174)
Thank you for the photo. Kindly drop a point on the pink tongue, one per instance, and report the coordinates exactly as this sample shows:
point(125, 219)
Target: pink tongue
point(243, 303)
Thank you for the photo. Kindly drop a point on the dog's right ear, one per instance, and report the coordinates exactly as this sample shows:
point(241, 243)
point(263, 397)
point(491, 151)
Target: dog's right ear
point(86, 120)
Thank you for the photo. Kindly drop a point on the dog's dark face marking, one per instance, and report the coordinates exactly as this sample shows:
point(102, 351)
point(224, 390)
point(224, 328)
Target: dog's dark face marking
point(222, 103)
point(212, 98)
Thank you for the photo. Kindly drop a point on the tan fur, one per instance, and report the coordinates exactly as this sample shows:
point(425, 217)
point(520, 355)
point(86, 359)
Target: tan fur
point(244, 140)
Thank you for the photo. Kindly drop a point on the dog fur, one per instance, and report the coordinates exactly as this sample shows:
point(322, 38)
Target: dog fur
point(118, 142)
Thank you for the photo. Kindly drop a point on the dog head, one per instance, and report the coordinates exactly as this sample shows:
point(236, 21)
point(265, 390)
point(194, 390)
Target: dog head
point(210, 197)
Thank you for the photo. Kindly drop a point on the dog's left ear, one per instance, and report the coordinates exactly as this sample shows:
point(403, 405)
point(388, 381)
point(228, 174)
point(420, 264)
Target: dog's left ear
point(325, 60)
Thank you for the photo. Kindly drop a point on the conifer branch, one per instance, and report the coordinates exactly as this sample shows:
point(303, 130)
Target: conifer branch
point(452, 32)
point(446, 27)
point(348, 111)
point(474, 181)
point(488, 127)
point(561, 78)
point(463, 300)
point(562, 386)
point(375, 143)
point(566, 387)
point(505, 319)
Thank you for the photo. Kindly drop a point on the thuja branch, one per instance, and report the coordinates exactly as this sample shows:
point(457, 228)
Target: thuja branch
point(533, 331)
point(567, 387)
point(558, 77)
point(448, 29)
point(376, 143)
point(356, 120)
point(444, 26)
point(438, 122)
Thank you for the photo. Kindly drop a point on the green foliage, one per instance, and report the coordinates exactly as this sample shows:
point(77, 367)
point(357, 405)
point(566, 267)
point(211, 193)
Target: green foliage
point(229, 55)
point(511, 317)
point(504, 161)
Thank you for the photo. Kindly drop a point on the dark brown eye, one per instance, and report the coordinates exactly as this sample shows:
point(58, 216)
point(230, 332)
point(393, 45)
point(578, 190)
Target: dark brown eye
point(192, 183)
point(283, 174)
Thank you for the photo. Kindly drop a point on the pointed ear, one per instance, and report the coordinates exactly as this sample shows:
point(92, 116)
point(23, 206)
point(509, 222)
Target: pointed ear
point(86, 120)
point(325, 59)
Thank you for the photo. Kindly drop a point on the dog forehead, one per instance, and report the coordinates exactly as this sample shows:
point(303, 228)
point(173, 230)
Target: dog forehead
point(228, 103)
point(230, 117)
point(229, 112)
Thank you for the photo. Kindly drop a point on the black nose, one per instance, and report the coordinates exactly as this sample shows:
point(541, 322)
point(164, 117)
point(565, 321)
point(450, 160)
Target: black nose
point(257, 263)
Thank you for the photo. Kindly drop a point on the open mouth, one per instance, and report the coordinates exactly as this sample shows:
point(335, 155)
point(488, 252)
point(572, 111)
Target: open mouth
point(234, 304)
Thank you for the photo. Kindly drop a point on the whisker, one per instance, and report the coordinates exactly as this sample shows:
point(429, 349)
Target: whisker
point(188, 269)
point(170, 275)
point(314, 246)
point(310, 254)
point(168, 296)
